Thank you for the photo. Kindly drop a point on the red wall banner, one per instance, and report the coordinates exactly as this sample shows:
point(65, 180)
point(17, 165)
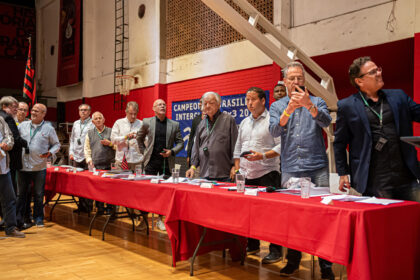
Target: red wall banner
point(69, 69)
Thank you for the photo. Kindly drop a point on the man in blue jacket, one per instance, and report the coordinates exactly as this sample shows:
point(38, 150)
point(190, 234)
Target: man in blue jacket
point(371, 122)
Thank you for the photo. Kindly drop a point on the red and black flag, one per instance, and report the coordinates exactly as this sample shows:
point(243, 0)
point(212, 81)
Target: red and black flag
point(29, 84)
point(124, 164)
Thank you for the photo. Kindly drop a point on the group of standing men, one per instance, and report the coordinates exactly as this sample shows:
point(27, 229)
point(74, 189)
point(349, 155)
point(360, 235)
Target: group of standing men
point(369, 123)
point(25, 147)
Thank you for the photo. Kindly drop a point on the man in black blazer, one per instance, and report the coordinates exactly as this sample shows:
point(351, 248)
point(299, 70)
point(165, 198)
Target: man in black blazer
point(159, 140)
point(8, 110)
point(371, 122)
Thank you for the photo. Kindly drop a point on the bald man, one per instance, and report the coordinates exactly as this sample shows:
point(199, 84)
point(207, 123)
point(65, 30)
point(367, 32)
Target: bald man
point(99, 151)
point(43, 143)
point(164, 142)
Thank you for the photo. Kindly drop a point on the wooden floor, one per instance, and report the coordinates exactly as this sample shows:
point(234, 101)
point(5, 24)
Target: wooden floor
point(63, 249)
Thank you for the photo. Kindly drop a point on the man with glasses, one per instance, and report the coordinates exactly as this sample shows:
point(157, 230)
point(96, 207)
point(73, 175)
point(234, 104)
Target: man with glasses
point(22, 113)
point(214, 142)
point(299, 118)
point(8, 110)
point(370, 123)
point(42, 143)
point(124, 136)
point(76, 149)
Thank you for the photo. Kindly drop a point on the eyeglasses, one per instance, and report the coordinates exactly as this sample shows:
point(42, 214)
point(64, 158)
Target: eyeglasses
point(23, 110)
point(84, 110)
point(372, 72)
point(298, 78)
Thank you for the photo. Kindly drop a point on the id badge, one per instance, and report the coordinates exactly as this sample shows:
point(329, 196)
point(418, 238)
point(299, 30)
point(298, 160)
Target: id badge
point(79, 142)
point(380, 144)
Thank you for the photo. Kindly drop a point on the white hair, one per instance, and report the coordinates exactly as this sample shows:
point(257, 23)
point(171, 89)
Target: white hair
point(215, 94)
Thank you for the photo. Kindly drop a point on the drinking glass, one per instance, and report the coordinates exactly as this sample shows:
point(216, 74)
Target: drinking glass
point(240, 182)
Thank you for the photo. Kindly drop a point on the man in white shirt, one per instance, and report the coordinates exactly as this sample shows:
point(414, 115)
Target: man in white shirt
point(256, 156)
point(124, 134)
point(76, 150)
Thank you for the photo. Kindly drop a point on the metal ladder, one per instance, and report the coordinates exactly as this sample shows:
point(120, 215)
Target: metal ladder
point(290, 52)
point(121, 50)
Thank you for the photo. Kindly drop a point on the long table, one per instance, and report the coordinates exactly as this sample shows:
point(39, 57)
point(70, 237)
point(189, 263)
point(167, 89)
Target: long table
point(373, 241)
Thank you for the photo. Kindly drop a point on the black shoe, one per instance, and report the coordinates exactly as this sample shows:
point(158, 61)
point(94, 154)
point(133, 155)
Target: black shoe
point(327, 274)
point(25, 226)
point(15, 233)
point(289, 269)
point(271, 258)
point(252, 251)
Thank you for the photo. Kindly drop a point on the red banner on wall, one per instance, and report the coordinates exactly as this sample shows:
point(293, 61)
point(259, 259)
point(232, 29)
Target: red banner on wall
point(69, 69)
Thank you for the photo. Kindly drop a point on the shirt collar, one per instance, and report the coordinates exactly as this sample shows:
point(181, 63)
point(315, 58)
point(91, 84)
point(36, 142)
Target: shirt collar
point(100, 131)
point(215, 116)
point(262, 116)
point(36, 125)
point(85, 121)
point(164, 120)
point(381, 96)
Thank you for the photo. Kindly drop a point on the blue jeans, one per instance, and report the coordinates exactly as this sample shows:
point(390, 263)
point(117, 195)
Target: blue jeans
point(8, 202)
point(25, 179)
point(321, 178)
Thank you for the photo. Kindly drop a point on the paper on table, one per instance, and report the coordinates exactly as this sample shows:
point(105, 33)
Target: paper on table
point(180, 180)
point(374, 200)
point(346, 197)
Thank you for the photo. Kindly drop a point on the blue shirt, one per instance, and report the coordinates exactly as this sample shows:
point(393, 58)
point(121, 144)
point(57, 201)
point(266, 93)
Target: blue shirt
point(41, 139)
point(303, 147)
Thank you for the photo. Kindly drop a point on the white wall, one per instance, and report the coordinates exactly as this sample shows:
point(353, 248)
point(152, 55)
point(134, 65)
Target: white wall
point(364, 27)
point(348, 26)
point(47, 36)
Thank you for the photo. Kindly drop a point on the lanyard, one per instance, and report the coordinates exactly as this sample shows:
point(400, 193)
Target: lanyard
point(211, 131)
point(373, 111)
point(83, 127)
point(99, 134)
point(35, 132)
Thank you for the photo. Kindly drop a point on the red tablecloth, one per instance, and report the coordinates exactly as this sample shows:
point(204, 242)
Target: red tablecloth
point(373, 241)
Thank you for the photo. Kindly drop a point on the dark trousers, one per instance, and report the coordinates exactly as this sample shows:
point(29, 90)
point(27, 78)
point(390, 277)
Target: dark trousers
point(25, 180)
point(100, 205)
point(85, 205)
point(409, 191)
point(270, 179)
point(8, 202)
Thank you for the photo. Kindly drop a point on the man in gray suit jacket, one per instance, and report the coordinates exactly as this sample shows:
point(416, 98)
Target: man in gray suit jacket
point(164, 141)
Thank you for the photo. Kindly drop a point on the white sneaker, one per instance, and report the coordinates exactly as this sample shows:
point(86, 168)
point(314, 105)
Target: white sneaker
point(142, 226)
point(160, 225)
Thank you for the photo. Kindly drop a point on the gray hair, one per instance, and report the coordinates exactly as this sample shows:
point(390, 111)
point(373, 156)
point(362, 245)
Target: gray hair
point(80, 106)
point(7, 101)
point(215, 94)
point(132, 104)
point(292, 64)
